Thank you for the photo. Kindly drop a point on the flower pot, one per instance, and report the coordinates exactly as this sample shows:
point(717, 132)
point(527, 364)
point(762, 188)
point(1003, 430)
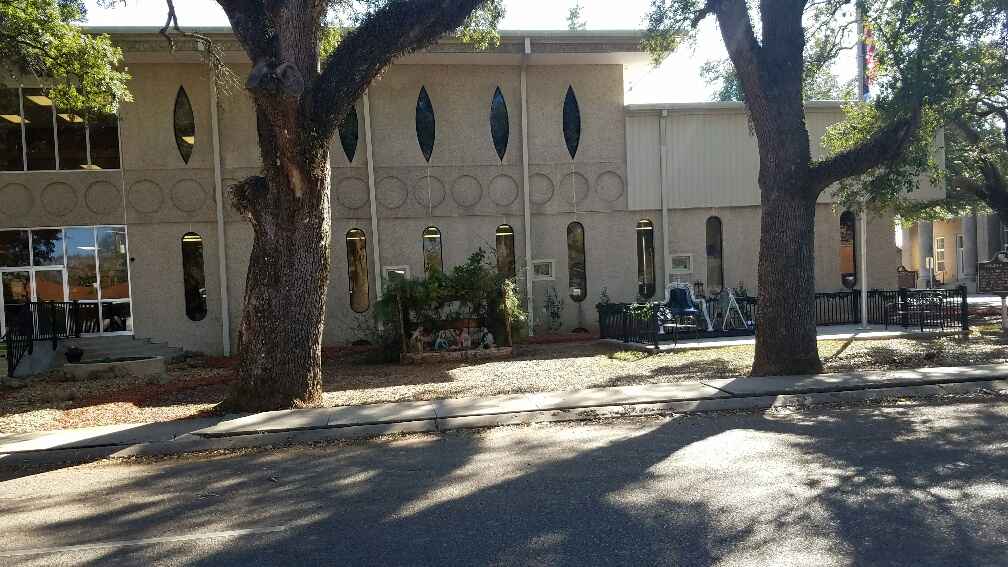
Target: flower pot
point(74, 355)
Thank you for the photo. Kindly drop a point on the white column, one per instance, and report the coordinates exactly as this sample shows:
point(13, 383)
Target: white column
point(527, 187)
point(925, 250)
point(969, 231)
point(666, 230)
point(906, 256)
point(375, 237)
point(221, 232)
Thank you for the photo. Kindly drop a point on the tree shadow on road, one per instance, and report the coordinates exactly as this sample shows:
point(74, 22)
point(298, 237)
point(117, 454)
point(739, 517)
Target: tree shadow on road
point(868, 485)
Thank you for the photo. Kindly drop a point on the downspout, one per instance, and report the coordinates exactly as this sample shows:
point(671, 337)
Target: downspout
point(662, 118)
point(221, 233)
point(526, 185)
point(371, 194)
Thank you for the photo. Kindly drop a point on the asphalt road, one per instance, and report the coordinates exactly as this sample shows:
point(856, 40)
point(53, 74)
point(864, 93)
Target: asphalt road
point(909, 484)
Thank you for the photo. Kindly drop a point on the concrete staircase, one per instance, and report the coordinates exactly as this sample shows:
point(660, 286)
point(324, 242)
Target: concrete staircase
point(101, 348)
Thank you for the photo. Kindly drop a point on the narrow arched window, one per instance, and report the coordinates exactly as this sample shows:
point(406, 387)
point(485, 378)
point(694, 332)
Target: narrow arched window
point(848, 247)
point(645, 259)
point(432, 250)
point(506, 250)
point(193, 277)
point(715, 256)
point(185, 125)
point(577, 273)
point(357, 270)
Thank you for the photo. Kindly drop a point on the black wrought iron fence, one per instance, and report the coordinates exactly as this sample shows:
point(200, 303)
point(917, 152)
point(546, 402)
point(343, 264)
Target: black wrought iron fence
point(52, 321)
point(924, 309)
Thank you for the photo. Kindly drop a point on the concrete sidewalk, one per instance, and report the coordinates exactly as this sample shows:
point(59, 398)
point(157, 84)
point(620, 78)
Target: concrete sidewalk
point(309, 425)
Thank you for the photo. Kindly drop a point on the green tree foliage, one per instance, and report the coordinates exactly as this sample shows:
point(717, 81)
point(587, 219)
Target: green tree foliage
point(821, 85)
point(575, 19)
point(42, 38)
point(968, 129)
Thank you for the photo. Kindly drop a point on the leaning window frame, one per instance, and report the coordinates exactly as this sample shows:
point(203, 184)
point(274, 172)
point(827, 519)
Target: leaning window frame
point(87, 142)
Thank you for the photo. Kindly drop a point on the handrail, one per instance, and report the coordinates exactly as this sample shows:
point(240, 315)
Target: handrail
point(34, 321)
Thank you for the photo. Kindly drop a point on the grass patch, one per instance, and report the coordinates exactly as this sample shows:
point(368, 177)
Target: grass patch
point(628, 355)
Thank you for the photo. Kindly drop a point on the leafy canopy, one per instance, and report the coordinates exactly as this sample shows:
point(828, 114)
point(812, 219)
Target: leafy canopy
point(962, 87)
point(42, 38)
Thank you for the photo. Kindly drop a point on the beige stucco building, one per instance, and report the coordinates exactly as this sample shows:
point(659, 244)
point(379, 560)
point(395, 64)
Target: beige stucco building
point(166, 258)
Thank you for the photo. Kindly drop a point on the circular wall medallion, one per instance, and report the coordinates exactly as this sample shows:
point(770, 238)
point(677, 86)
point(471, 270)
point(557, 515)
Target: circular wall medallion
point(503, 190)
point(101, 197)
point(188, 195)
point(609, 186)
point(541, 188)
point(15, 200)
point(391, 192)
point(467, 191)
point(352, 192)
point(58, 198)
point(574, 186)
point(145, 196)
point(429, 185)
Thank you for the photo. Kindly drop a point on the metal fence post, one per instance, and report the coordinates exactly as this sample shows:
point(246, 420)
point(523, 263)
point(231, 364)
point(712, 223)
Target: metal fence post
point(52, 322)
point(964, 311)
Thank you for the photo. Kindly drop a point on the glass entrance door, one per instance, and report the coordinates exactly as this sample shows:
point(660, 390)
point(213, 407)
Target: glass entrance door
point(17, 290)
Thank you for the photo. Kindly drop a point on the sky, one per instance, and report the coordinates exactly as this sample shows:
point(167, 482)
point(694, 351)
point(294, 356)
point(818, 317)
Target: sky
point(677, 79)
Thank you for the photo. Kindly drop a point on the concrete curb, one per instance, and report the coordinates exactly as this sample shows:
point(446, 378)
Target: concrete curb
point(190, 443)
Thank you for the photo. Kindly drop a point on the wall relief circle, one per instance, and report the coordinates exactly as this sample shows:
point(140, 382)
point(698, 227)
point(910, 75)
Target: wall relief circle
point(391, 192)
point(428, 184)
point(352, 192)
point(188, 195)
point(145, 196)
point(102, 197)
point(467, 191)
point(58, 198)
point(574, 186)
point(15, 200)
point(541, 188)
point(609, 186)
point(503, 190)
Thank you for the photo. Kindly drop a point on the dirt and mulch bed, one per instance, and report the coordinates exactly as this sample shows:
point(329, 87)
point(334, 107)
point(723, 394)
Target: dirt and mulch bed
point(195, 386)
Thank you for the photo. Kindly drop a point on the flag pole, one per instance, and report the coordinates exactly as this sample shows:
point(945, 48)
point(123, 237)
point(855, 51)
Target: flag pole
point(862, 90)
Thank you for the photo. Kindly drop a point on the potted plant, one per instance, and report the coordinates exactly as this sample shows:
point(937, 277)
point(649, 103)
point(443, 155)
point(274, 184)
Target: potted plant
point(74, 355)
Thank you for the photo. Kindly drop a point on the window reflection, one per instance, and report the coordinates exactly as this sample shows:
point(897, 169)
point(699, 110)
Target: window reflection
point(715, 255)
point(14, 248)
point(645, 259)
point(47, 247)
point(357, 270)
point(82, 274)
point(506, 250)
point(578, 274)
point(71, 133)
point(193, 276)
point(11, 154)
point(38, 123)
point(432, 250)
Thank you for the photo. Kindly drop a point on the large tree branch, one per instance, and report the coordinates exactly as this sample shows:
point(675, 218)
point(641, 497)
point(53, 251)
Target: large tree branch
point(740, 40)
point(887, 144)
point(399, 27)
point(252, 26)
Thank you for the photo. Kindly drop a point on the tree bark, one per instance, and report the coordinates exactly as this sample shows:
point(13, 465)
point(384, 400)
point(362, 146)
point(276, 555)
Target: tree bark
point(280, 338)
point(786, 330)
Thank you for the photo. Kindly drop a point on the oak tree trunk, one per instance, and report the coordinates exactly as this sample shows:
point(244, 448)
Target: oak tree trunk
point(280, 339)
point(786, 331)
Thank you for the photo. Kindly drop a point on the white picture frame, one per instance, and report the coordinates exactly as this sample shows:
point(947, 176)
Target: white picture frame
point(543, 270)
point(680, 264)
